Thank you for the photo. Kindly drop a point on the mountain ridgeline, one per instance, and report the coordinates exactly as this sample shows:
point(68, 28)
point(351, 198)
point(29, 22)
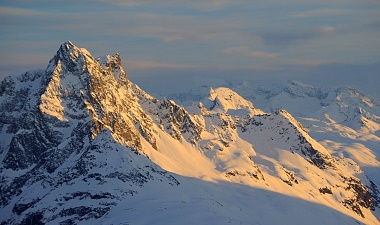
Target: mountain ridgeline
point(81, 144)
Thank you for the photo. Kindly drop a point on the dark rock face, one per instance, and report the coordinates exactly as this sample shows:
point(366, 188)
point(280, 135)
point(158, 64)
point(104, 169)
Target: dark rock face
point(325, 190)
point(29, 145)
point(178, 122)
point(363, 196)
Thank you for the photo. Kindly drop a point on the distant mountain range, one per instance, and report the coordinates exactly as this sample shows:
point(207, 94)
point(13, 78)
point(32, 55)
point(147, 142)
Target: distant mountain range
point(81, 144)
point(345, 120)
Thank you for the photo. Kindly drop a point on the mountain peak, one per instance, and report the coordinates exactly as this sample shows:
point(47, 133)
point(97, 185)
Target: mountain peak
point(69, 49)
point(68, 44)
point(109, 61)
point(67, 80)
point(226, 100)
point(69, 56)
point(112, 64)
point(298, 83)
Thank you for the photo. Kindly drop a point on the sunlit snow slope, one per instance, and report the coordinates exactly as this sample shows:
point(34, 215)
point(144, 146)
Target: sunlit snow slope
point(344, 120)
point(81, 144)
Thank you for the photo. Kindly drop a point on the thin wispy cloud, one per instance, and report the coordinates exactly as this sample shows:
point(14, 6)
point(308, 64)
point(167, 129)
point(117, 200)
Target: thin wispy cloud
point(293, 37)
point(325, 30)
point(210, 5)
point(14, 12)
point(246, 68)
point(138, 65)
point(311, 62)
point(148, 65)
point(245, 51)
point(170, 34)
point(322, 12)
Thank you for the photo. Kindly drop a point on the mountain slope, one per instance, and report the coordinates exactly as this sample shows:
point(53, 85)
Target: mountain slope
point(80, 144)
point(344, 120)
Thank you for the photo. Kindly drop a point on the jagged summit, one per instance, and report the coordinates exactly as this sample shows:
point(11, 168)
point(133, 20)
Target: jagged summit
point(67, 46)
point(112, 64)
point(67, 54)
point(72, 77)
point(82, 144)
point(67, 80)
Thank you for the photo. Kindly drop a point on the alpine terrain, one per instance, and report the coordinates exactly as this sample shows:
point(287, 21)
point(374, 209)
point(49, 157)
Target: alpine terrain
point(81, 144)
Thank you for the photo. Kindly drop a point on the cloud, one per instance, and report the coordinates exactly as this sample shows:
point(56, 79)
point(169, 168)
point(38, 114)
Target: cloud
point(295, 37)
point(310, 62)
point(14, 12)
point(260, 54)
point(285, 38)
point(244, 68)
point(201, 5)
point(245, 51)
point(327, 30)
point(28, 59)
point(12, 63)
point(140, 65)
point(180, 28)
point(149, 65)
point(322, 12)
point(171, 33)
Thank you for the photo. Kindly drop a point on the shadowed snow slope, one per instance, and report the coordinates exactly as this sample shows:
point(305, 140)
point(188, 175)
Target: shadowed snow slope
point(81, 144)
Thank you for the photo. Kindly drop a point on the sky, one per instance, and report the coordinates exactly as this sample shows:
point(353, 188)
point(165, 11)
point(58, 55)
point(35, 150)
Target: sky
point(174, 40)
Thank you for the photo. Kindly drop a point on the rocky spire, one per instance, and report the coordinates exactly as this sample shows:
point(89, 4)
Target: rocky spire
point(66, 81)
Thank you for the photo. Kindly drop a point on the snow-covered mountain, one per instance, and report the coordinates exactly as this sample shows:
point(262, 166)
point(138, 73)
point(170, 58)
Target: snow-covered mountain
point(81, 144)
point(344, 120)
